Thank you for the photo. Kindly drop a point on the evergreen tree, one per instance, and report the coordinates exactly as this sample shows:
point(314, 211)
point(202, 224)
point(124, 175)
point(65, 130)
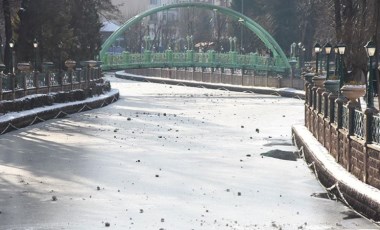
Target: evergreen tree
point(73, 23)
point(8, 34)
point(86, 25)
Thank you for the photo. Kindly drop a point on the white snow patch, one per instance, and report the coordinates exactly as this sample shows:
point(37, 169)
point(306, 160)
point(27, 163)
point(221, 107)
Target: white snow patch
point(14, 115)
point(335, 169)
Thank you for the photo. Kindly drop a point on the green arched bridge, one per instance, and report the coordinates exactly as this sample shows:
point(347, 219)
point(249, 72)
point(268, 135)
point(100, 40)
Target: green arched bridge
point(278, 62)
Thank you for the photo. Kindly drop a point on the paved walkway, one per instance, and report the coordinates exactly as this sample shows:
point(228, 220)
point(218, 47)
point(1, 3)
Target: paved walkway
point(166, 157)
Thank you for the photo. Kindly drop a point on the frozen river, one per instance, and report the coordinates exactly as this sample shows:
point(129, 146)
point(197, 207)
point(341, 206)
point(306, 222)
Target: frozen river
point(166, 157)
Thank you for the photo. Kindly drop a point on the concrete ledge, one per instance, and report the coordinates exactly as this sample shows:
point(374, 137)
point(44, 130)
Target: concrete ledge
point(17, 120)
point(284, 92)
point(360, 196)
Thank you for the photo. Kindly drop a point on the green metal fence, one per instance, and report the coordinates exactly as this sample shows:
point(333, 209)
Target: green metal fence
point(210, 59)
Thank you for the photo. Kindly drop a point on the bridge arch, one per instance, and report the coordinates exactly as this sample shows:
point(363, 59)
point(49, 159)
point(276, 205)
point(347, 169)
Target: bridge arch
point(253, 26)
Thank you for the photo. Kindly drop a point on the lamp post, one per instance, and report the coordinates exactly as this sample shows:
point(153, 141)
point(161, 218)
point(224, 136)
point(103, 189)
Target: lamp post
point(241, 26)
point(11, 64)
point(231, 47)
point(89, 52)
point(35, 46)
point(336, 53)
point(370, 48)
point(241, 21)
point(341, 51)
point(328, 48)
point(1, 51)
point(235, 39)
point(60, 46)
point(317, 50)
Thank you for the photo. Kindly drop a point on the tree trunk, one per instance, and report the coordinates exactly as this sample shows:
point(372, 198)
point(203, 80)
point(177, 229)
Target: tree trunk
point(376, 40)
point(8, 35)
point(338, 20)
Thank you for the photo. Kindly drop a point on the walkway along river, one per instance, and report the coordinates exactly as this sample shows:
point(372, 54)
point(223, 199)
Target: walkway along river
point(166, 157)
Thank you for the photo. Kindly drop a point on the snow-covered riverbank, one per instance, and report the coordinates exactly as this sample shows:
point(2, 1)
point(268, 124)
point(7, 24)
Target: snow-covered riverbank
point(166, 157)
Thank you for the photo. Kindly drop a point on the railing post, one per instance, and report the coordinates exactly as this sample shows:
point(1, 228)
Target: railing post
point(190, 57)
point(47, 80)
point(320, 98)
point(339, 101)
point(331, 105)
point(147, 56)
point(25, 87)
point(71, 79)
point(88, 76)
point(211, 57)
point(35, 79)
point(126, 58)
point(253, 59)
point(307, 103)
point(315, 97)
point(169, 57)
point(368, 117)
point(242, 76)
point(60, 77)
point(1, 85)
point(351, 116)
point(311, 95)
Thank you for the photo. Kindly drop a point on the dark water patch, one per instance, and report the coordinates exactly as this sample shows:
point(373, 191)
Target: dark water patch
point(274, 143)
point(323, 196)
point(282, 155)
point(278, 142)
point(350, 215)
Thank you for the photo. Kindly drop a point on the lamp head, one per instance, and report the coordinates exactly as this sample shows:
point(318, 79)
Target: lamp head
point(35, 43)
point(342, 48)
point(336, 50)
point(317, 48)
point(328, 48)
point(370, 48)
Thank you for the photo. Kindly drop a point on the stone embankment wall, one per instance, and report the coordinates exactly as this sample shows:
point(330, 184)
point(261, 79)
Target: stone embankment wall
point(351, 136)
point(224, 78)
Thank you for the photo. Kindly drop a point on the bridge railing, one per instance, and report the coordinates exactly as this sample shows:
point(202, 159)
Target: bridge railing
point(351, 135)
point(210, 59)
point(27, 82)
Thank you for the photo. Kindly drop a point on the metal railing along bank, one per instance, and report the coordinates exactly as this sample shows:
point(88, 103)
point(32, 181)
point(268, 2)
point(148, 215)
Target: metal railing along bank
point(351, 136)
point(27, 82)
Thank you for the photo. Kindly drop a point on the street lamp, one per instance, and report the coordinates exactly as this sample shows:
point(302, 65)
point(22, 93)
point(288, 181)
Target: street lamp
point(241, 26)
point(60, 46)
point(11, 46)
point(1, 51)
point(336, 52)
point(317, 50)
point(235, 39)
point(89, 52)
point(35, 46)
point(328, 48)
point(341, 50)
point(241, 21)
point(370, 48)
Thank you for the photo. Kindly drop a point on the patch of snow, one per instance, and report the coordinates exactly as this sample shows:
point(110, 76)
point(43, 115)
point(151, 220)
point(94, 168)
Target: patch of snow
point(13, 115)
point(335, 169)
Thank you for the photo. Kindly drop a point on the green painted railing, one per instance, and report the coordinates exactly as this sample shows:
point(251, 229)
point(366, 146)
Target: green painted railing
point(210, 59)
